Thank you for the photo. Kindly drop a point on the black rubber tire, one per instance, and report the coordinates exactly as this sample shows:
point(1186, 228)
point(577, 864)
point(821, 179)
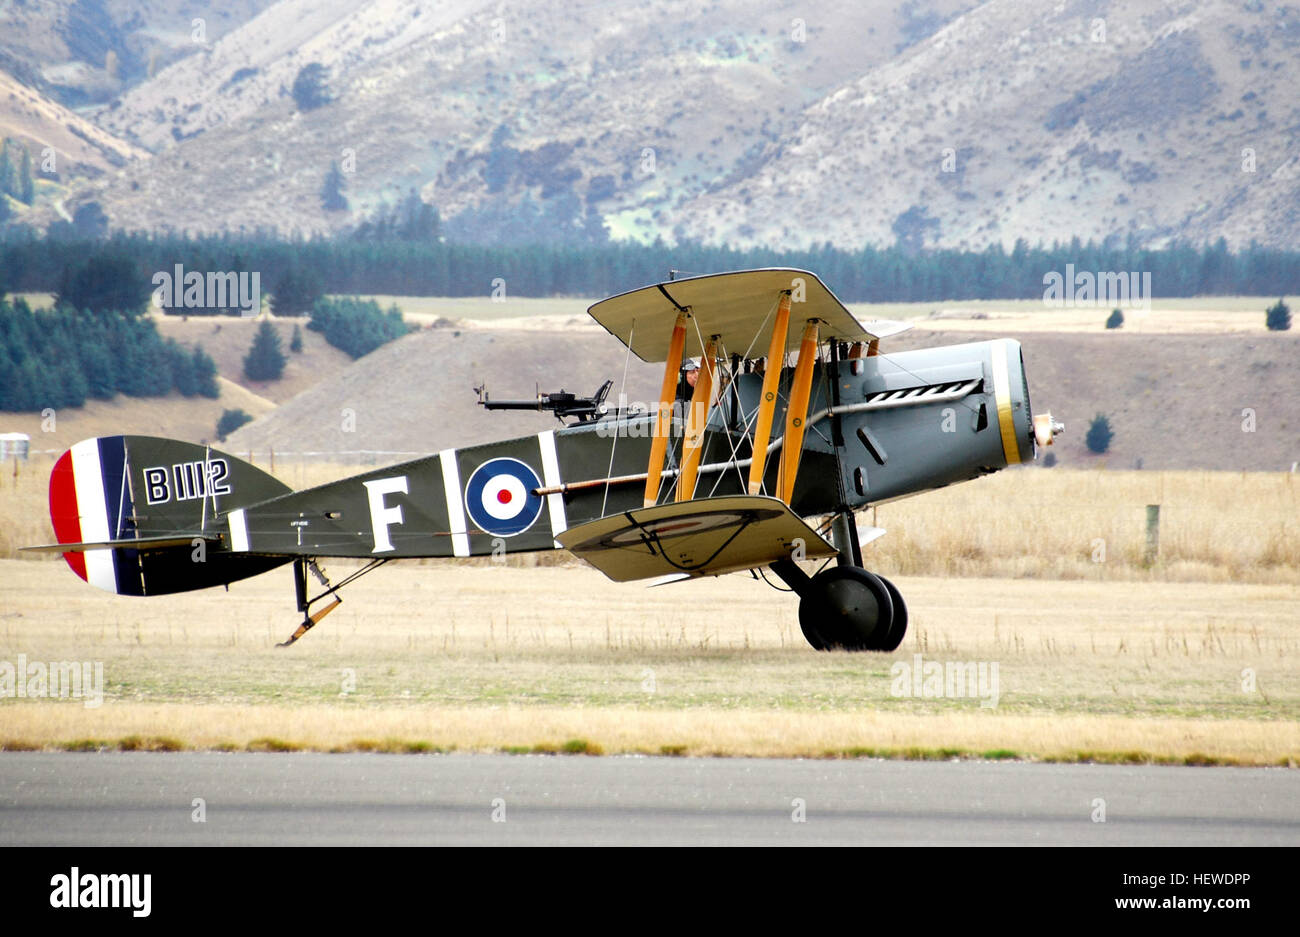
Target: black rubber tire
point(846, 607)
point(897, 627)
point(810, 633)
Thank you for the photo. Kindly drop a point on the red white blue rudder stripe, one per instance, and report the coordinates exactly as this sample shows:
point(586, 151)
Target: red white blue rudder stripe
point(90, 502)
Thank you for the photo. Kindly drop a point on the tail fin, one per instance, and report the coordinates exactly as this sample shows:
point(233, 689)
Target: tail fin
point(168, 499)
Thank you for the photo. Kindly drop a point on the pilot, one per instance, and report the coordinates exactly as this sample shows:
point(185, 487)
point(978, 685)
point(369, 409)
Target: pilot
point(690, 375)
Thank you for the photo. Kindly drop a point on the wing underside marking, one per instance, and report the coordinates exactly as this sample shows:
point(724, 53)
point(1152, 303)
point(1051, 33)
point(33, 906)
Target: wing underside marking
point(703, 537)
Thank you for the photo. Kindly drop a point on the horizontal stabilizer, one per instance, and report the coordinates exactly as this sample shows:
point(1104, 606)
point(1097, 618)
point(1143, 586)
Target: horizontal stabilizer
point(704, 537)
point(131, 543)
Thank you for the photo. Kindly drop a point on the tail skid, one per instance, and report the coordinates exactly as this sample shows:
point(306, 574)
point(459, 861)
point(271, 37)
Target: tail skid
point(309, 618)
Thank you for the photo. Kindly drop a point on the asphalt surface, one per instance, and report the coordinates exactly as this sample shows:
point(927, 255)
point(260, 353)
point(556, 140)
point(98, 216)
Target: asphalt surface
point(122, 799)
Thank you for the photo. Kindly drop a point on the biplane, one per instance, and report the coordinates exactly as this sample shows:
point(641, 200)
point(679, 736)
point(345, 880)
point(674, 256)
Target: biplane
point(793, 423)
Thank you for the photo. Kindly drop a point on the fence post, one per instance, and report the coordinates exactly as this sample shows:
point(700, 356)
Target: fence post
point(1153, 535)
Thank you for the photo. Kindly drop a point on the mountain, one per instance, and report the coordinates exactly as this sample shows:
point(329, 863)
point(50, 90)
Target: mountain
point(1089, 118)
point(953, 123)
point(80, 52)
point(37, 122)
point(606, 111)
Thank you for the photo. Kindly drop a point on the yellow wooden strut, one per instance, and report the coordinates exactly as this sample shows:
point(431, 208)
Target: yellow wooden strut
point(796, 415)
point(696, 420)
point(664, 419)
point(767, 399)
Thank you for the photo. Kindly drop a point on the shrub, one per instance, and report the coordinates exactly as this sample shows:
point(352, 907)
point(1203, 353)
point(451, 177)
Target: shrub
point(230, 421)
point(1116, 320)
point(1099, 434)
point(1278, 317)
point(309, 91)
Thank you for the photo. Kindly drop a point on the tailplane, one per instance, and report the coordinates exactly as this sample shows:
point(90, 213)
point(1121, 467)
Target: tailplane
point(140, 515)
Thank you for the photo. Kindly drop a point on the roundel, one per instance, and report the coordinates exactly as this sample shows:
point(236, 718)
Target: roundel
point(499, 497)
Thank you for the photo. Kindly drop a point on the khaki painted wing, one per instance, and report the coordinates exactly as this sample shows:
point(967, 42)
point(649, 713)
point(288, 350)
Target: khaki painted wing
point(736, 306)
point(704, 537)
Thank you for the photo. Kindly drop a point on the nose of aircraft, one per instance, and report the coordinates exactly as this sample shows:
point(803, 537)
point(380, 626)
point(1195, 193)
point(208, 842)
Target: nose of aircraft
point(1046, 429)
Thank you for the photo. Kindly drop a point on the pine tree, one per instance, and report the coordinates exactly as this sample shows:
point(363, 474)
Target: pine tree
point(296, 292)
point(331, 193)
point(264, 361)
point(205, 374)
point(26, 187)
point(109, 281)
point(295, 343)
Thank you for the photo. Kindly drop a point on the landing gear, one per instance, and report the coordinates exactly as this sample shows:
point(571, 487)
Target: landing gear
point(305, 602)
point(897, 627)
point(845, 607)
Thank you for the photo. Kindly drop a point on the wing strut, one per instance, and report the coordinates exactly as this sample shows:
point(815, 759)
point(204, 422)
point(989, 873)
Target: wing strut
point(698, 418)
point(796, 419)
point(767, 401)
point(664, 420)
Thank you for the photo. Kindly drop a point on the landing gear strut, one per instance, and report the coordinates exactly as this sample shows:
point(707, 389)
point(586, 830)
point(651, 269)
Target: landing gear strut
point(845, 607)
point(310, 618)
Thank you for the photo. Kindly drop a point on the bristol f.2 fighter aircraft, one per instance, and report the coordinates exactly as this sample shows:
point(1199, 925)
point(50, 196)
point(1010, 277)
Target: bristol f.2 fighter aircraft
point(793, 423)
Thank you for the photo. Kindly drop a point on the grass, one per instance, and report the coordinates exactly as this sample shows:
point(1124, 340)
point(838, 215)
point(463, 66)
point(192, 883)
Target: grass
point(1198, 314)
point(1166, 316)
point(1101, 658)
point(446, 658)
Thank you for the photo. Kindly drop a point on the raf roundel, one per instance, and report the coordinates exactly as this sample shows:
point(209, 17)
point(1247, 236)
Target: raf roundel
point(499, 497)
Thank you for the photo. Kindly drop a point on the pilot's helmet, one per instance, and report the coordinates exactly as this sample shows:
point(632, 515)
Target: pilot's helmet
point(691, 364)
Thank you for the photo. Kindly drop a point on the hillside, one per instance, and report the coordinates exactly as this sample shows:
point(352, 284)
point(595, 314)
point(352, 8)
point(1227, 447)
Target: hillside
point(37, 122)
point(420, 91)
point(416, 395)
point(190, 418)
point(228, 339)
point(1173, 400)
point(81, 51)
point(934, 122)
point(1174, 394)
point(1015, 121)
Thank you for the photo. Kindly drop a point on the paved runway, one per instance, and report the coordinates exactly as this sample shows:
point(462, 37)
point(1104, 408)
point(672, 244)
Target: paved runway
point(315, 799)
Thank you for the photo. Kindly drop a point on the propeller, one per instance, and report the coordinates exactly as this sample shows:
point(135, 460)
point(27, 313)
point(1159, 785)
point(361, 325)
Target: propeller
point(1046, 429)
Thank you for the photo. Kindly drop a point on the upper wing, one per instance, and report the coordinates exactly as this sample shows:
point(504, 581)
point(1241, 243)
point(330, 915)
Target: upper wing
point(735, 306)
point(703, 537)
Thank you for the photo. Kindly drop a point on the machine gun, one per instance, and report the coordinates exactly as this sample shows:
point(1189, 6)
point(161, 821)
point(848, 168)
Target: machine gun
point(562, 404)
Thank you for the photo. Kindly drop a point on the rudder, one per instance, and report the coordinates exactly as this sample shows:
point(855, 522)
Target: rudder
point(172, 496)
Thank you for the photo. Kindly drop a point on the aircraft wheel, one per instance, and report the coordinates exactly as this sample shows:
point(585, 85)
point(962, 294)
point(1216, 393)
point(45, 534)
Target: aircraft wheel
point(898, 627)
point(846, 607)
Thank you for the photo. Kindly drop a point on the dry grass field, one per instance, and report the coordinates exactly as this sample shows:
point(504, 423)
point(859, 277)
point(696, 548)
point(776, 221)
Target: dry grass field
point(1192, 314)
point(1188, 315)
point(1100, 657)
point(514, 658)
point(1100, 654)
